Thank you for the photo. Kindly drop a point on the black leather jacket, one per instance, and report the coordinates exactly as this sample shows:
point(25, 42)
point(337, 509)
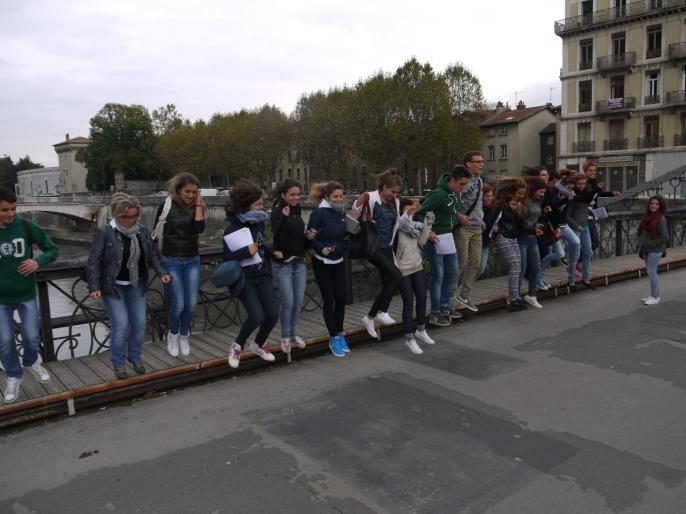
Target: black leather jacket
point(105, 259)
point(180, 238)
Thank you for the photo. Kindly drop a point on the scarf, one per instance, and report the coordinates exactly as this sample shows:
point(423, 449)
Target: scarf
point(410, 227)
point(650, 221)
point(338, 207)
point(134, 250)
point(253, 217)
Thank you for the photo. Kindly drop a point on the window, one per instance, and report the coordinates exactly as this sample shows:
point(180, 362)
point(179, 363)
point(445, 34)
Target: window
point(620, 8)
point(354, 171)
point(652, 87)
point(550, 140)
point(491, 153)
point(490, 132)
point(616, 141)
point(618, 45)
point(651, 132)
point(503, 152)
point(297, 173)
point(585, 95)
point(364, 172)
point(586, 54)
point(280, 175)
point(583, 137)
point(654, 43)
point(503, 130)
point(617, 86)
point(654, 4)
point(587, 12)
point(549, 160)
point(680, 139)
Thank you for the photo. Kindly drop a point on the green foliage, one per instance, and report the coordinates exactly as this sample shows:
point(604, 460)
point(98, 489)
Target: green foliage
point(9, 169)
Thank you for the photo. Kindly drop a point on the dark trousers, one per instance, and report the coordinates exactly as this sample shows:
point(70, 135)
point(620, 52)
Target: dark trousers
point(411, 287)
point(390, 280)
point(331, 281)
point(262, 308)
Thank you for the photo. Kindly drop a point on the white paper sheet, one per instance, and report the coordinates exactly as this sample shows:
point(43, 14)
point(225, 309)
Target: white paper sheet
point(240, 239)
point(446, 244)
point(351, 224)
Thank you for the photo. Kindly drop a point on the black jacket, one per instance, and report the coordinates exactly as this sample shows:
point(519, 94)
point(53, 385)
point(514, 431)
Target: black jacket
point(331, 231)
point(180, 237)
point(511, 224)
point(106, 255)
point(557, 200)
point(264, 249)
point(289, 232)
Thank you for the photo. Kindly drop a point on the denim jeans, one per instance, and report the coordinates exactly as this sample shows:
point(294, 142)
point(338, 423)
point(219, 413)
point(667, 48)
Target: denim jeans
point(557, 251)
point(390, 280)
point(586, 253)
point(572, 247)
point(652, 262)
point(411, 287)
point(261, 307)
point(291, 278)
point(485, 252)
point(530, 261)
point(443, 277)
point(127, 317)
point(183, 292)
point(30, 336)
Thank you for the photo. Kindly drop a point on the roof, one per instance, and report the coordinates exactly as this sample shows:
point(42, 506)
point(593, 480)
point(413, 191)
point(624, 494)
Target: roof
point(49, 169)
point(513, 116)
point(77, 140)
point(551, 127)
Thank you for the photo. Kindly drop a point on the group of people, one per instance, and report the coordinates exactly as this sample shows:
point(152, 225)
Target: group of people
point(459, 221)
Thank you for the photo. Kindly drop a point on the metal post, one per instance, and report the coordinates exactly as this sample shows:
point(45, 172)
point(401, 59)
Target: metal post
point(618, 237)
point(349, 300)
point(48, 352)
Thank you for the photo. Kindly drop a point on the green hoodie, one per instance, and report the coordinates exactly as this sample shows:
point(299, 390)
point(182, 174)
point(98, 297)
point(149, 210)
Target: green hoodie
point(14, 248)
point(443, 203)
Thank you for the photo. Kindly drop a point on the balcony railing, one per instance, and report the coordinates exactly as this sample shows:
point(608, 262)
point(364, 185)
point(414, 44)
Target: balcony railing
point(677, 51)
point(653, 53)
point(615, 105)
point(583, 146)
point(651, 99)
point(616, 61)
point(615, 144)
point(585, 106)
point(650, 142)
point(616, 14)
point(586, 65)
point(676, 97)
point(679, 139)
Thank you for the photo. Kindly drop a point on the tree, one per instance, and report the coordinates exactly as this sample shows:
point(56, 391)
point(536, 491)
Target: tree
point(121, 142)
point(9, 169)
point(465, 89)
point(165, 119)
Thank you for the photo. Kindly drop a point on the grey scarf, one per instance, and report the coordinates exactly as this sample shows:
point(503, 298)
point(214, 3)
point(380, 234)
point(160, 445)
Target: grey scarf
point(134, 250)
point(410, 227)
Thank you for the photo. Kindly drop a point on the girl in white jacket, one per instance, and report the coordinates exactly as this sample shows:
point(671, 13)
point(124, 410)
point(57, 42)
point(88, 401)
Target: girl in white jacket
point(411, 235)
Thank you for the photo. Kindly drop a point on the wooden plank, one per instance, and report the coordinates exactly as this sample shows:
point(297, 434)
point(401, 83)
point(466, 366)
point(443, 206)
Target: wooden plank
point(86, 374)
point(159, 351)
point(61, 372)
point(101, 365)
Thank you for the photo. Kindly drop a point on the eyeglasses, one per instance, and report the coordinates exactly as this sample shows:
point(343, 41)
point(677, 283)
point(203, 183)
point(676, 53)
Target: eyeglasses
point(478, 162)
point(134, 217)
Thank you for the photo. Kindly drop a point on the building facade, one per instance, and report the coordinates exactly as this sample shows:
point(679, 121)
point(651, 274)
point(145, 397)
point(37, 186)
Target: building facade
point(38, 182)
point(513, 139)
point(72, 172)
point(623, 88)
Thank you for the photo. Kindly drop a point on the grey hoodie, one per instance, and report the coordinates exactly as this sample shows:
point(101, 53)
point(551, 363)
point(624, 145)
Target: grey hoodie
point(467, 198)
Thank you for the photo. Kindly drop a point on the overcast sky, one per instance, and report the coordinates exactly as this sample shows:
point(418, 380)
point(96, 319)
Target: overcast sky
point(62, 60)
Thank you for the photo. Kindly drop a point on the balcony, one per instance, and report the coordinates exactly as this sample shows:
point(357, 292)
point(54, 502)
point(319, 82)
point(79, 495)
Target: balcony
point(585, 107)
point(617, 62)
point(676, 97)
point(586, 65)
point(650, 142)
point(679, 139)
point(617, 16)
point(615, 105)
point(653, 53)
point(651, 99)
point(677, 52)
point(583, 147)
point(615, 144)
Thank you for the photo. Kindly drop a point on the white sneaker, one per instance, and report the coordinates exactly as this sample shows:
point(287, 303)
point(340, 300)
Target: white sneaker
point(531, 300)
point(413, 346)
point(262, 352)
point(384, 318)
point(286, 344)
point(235, 355)
point(173, 344)
point(299, 342)
point(38, 371)
point(644, 300)
point(652, 300)
point(184, 345)
point(369, 325)
point(423, 337)
point(12, 389)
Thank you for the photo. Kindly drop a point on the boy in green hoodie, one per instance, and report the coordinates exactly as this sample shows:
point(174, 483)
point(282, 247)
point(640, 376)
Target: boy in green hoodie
point(18, 291)
point(443, 202)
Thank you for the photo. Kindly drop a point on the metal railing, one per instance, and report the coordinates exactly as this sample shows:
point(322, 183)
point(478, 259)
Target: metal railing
point(615, 144)
point(613, 105)
point(650, 142)
point(616, 61)
point(670, 185)
point(679, 139)
point(583, 146)
point(676, 51)
point(676, 97)
point(651, 99)
point(616, 15)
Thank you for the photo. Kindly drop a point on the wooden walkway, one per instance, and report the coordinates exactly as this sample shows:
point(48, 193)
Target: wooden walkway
point(89, 381)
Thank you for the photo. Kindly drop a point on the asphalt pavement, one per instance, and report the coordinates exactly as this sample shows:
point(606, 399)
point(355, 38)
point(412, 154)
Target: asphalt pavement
point(577, 408)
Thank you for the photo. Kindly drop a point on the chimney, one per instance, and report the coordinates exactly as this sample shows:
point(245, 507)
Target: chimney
point(521, 105)
point(67, 136)
point(499, 107)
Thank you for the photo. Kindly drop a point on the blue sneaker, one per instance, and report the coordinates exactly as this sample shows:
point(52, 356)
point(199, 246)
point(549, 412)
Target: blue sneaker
point(335, 346)
point(343, 343)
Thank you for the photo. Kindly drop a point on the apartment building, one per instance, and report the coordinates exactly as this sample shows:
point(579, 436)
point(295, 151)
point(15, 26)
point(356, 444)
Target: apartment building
point(623, 88)
point(514, 138)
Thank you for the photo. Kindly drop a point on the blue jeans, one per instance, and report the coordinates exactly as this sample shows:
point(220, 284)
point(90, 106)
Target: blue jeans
point(30, 336)
point(557, 251)
point(127, 317)
point(443, 277)
point(261, 308)
point(531, 261)
point(586, 253)
point(572, 247)
point(485, 252)
point(183, 292)
point(652, 262)
point(291, 278)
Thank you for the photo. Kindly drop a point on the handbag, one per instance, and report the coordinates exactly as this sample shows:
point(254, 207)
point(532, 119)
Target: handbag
point(364, 244)
point(158, 232)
